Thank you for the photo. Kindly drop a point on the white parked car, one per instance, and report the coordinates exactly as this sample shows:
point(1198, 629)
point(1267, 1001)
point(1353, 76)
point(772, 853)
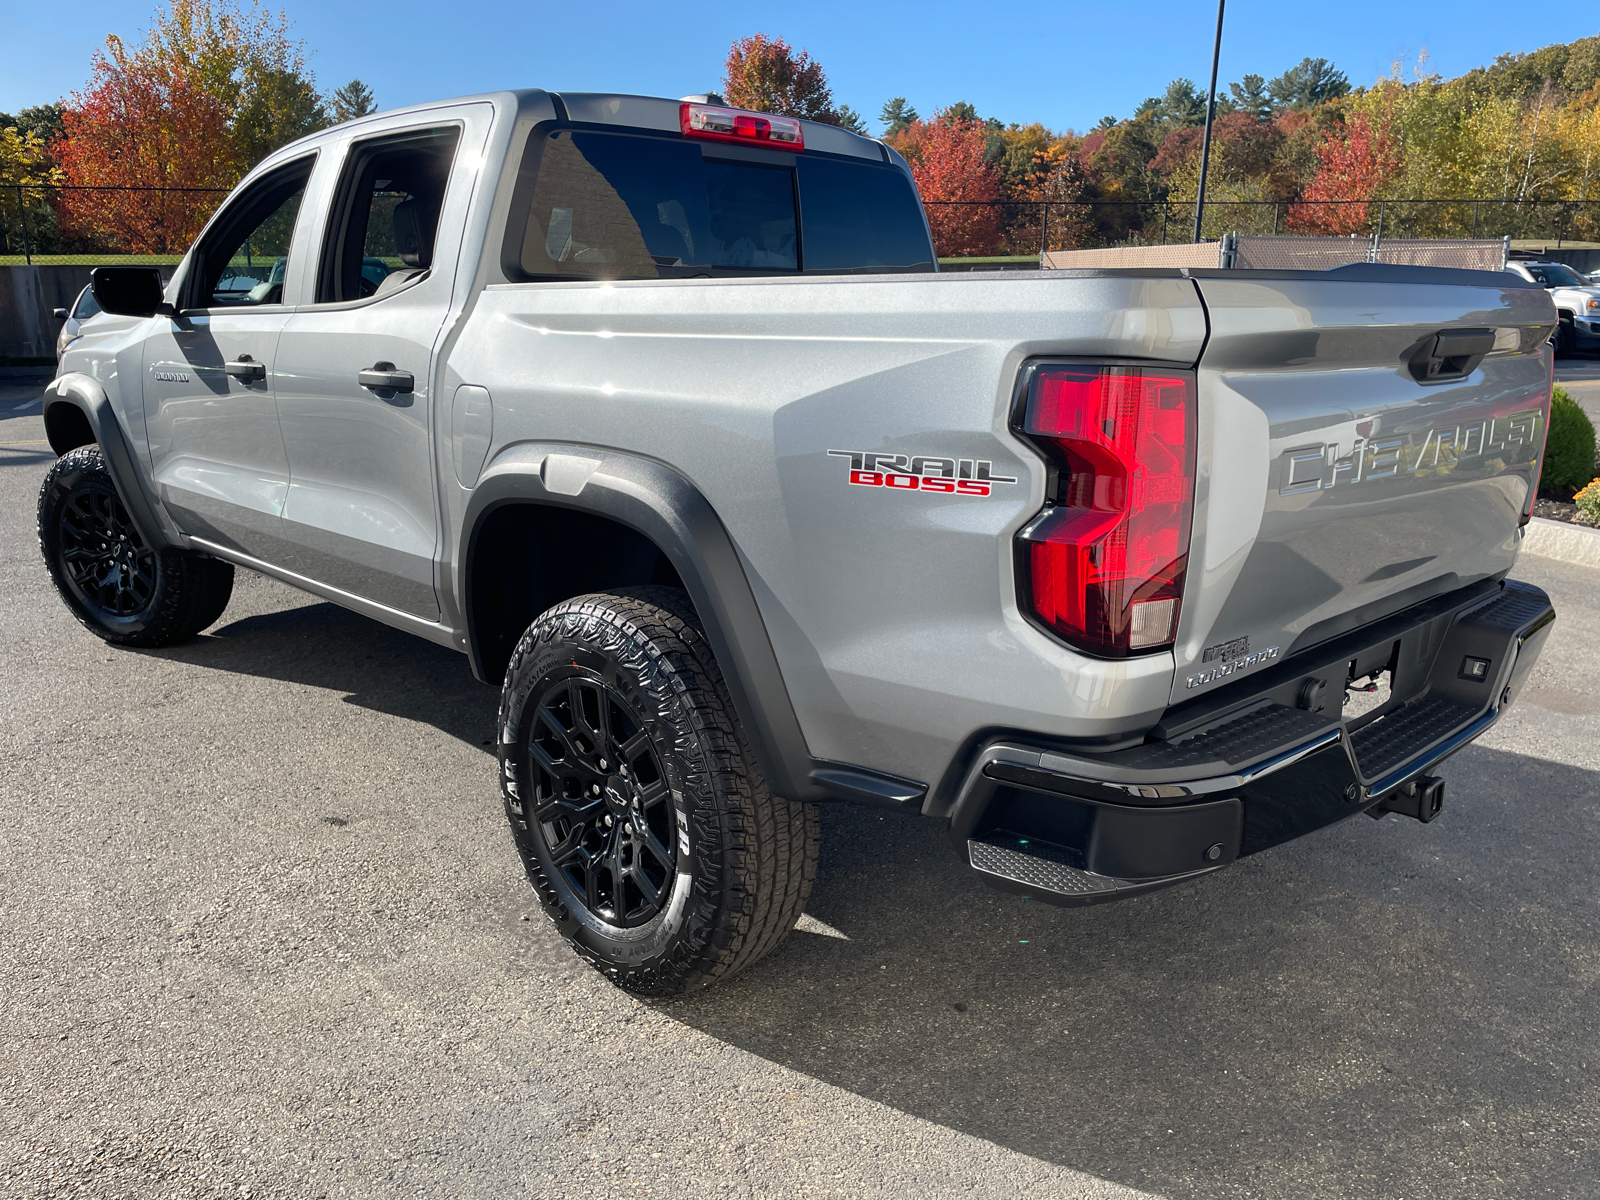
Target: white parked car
point(1577, 302)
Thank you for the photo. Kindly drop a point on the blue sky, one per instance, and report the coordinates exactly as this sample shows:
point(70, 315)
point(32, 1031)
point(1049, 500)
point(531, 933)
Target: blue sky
point(1066, 64)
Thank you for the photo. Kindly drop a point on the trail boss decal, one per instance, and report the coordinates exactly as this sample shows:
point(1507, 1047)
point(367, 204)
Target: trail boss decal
point(922, 472)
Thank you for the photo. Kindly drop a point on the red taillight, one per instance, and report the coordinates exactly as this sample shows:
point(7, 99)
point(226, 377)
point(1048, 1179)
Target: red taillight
point(736, 125)
point(1103, 564)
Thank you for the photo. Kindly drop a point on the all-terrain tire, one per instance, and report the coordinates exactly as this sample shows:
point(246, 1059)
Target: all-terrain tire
point(119, 588)
point(642, 820)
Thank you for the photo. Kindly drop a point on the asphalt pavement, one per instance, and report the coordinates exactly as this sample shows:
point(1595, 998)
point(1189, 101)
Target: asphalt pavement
point(266, 935)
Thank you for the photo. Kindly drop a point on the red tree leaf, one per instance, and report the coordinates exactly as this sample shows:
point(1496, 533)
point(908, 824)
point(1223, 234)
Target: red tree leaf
point(946, 159)
point(140, 126)
point(1357, 166)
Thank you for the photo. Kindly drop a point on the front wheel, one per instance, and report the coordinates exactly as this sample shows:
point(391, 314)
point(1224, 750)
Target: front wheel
point(119, 588)
point(1566, 339)
point(645, 827)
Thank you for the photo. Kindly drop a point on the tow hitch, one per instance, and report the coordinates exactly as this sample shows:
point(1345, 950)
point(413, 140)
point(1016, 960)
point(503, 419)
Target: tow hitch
point(1422, 799)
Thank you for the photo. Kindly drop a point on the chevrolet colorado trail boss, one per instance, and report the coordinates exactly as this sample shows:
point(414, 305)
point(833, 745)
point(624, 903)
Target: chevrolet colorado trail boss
point(661, 413)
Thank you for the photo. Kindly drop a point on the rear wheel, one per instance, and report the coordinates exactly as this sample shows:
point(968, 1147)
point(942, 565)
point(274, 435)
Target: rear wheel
point(646, 829)
point(120, 588)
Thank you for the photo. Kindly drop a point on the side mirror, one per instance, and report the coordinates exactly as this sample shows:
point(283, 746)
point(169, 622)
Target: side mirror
point(59, 314)
point(128, 291)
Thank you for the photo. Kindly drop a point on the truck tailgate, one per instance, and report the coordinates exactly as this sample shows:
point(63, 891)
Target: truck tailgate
point(1335, 486)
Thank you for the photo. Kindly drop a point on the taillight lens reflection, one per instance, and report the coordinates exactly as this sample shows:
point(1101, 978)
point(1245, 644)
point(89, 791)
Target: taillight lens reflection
point(1104, 564)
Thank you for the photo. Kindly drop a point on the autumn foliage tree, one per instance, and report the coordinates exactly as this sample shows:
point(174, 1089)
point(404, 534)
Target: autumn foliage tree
point(214, 87)
point(1055, 218)
point(137, 126)
point(243, 55)
point(767, 75)
point(1355, 165)
point(960, 188)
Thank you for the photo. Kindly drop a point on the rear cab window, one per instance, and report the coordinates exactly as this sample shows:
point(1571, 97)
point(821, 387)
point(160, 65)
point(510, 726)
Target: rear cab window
point(602, 204)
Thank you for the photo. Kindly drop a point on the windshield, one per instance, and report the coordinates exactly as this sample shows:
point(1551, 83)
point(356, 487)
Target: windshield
point(85, 307)
point(1556, 275)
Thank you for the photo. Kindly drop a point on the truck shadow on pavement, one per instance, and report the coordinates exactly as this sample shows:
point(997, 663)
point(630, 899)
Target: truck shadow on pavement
point(382, 669)
point(1382, 1009)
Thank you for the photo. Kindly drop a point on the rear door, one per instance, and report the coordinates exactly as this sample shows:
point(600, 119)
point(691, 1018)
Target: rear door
point(217, 456)
point(1368, 440)
point(355, 396)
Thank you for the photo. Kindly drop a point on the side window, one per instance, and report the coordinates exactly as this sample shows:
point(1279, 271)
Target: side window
point(245, 256)
point(86, 306)
point(625, 206)
point(385, 221)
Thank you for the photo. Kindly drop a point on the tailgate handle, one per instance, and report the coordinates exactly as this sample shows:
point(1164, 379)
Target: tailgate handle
point(1450, 354)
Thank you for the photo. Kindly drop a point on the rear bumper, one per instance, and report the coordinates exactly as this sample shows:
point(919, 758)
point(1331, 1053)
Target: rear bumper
point(1255, 769)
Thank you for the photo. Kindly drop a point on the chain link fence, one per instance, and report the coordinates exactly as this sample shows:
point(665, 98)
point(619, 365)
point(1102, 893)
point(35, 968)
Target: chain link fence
point(1028, 228)
point(86, 226)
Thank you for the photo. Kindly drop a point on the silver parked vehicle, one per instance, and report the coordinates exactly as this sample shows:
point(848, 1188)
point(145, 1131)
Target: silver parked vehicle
point(72, 319)
point(662, 415)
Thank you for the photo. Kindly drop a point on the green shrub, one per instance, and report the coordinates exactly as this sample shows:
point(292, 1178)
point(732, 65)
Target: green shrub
point(1569, 448)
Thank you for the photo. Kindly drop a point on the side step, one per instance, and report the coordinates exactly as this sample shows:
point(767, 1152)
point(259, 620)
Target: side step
point(1050, 873)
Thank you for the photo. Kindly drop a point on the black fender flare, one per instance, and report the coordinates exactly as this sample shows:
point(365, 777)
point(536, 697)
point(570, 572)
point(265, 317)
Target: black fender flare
point(655, 500)
point(89, 398)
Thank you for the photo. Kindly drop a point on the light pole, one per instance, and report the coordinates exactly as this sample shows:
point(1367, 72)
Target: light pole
point(1211, 111)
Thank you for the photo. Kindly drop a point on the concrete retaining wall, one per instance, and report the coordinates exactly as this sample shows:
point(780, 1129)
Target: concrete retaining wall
point(28, 295)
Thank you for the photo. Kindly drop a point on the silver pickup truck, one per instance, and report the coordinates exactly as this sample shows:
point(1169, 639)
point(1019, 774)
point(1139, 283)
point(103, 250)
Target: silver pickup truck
point(661, 413)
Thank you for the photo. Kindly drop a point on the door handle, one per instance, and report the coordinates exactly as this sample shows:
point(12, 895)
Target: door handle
point(383, 377)
point(245, 367)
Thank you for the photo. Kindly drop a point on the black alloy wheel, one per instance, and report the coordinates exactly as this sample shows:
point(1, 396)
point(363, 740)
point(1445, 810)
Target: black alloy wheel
point(107, 563)
point(600, 799)
point(646, 827)
point(113, 580)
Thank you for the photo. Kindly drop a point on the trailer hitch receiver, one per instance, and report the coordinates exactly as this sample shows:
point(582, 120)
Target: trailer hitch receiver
point(1421, 799)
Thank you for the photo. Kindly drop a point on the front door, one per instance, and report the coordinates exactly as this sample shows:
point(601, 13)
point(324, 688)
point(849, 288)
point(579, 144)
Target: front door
point(217, 456)
point(354, 374)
